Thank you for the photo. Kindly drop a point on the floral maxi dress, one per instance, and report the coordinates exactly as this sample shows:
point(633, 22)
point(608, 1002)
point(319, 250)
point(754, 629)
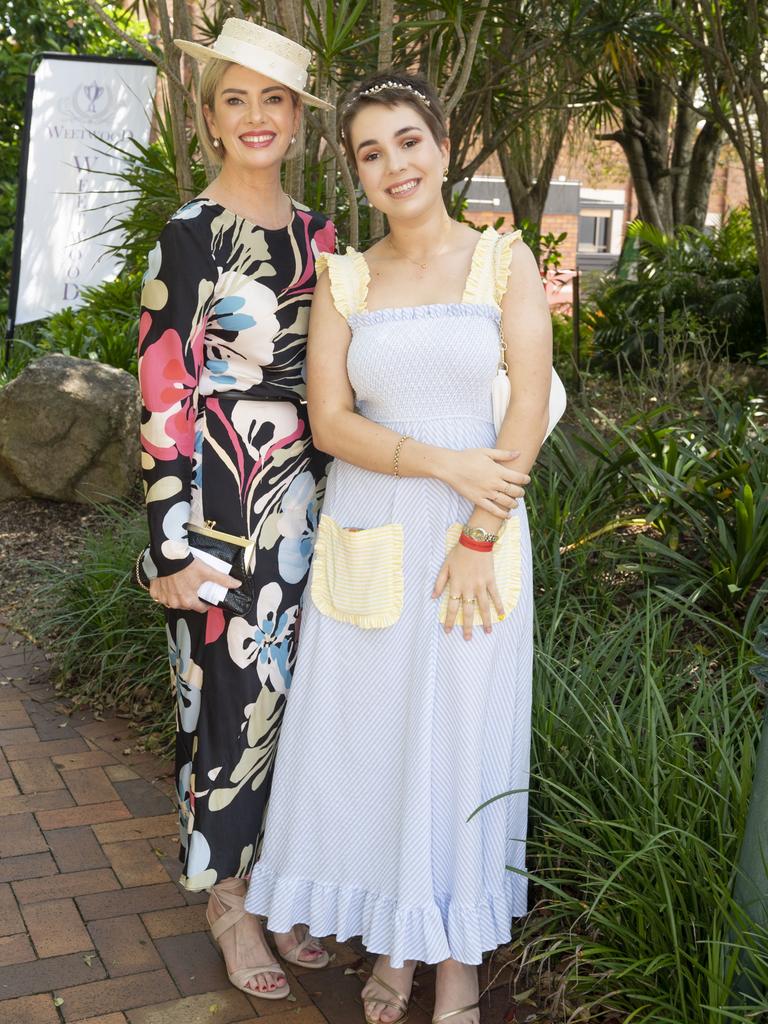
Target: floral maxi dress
point(225, 437)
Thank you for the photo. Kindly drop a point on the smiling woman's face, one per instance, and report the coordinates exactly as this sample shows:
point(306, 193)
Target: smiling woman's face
point(399, 163)
point(254, 117)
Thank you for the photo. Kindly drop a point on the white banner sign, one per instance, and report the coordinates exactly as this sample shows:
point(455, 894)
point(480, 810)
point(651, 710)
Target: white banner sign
point(71, 186)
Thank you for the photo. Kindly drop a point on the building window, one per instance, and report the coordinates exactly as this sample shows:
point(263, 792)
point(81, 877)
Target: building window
point(594, 231)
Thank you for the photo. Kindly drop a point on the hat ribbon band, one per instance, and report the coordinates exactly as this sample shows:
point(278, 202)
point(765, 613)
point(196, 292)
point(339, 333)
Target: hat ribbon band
point(264, 61)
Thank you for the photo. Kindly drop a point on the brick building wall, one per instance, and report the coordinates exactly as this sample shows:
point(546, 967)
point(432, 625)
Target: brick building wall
point(601, 165)
point(557, 223)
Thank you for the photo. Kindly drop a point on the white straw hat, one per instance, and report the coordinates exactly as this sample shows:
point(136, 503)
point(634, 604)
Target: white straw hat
point(259, 49)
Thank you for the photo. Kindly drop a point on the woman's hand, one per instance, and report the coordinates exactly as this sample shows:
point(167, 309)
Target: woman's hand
point(180, 589)
point(469, 577)
point(481, 476)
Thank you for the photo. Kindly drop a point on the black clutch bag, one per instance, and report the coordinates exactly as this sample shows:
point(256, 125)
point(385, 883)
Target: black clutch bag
point(237, 552)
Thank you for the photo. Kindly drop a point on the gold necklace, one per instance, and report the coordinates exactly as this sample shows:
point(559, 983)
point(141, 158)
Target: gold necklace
point(405, 256)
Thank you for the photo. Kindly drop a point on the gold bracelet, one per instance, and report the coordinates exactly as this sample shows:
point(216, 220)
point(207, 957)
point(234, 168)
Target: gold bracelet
point(137, 574)
point(396, 461)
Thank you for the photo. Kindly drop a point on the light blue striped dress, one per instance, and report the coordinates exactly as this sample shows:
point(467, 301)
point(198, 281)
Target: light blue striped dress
point(394, 736)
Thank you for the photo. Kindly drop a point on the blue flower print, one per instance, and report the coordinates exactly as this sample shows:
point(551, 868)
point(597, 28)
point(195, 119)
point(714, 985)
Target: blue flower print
point(190, 210)
point(217, 368)
point(226, 315)
point(297, 524)
point(197, 459)
point(187, 677)
point(269, 643)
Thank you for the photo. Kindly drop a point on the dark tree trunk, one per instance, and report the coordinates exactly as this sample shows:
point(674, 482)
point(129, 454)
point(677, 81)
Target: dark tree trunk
point(703, 163)
point(527, 170)
point(671, 165)
point(682, 148)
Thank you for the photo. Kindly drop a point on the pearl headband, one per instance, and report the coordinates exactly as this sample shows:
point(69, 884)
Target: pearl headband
point(380, 88)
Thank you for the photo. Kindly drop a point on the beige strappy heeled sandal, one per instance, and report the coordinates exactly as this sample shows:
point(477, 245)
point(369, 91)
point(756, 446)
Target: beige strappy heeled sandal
point(454, 1013)
point(231, 903)
point(293, 955)
point(400, 1002)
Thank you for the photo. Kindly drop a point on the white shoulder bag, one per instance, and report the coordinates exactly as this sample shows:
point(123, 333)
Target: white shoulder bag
point(501, 390)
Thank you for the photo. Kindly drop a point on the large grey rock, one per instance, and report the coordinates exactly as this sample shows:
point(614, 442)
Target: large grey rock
point(69, 430)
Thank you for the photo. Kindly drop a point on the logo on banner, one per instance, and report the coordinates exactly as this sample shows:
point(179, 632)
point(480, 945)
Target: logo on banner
point(90, 102)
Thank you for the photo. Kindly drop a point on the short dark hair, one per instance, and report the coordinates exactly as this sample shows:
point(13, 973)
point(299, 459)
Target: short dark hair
point(391, 88)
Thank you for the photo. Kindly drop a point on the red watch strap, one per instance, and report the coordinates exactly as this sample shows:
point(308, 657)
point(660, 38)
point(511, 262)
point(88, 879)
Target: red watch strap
point(475, 545)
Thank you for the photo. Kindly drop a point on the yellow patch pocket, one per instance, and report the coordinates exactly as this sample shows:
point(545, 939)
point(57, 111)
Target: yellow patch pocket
point(506, 567)
point(357, 575)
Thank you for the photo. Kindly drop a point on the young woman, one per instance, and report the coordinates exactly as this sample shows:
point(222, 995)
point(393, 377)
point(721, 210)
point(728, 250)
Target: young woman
point(225, 441)
point(413, 685)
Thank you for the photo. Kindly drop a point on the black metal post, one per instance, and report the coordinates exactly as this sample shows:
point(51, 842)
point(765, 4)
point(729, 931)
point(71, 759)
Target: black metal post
point(575, 321)
point(19, 225)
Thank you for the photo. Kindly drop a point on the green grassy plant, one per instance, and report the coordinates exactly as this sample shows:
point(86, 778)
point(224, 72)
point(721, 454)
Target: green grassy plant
point(105, 328)
point(107, 637)
point(644, 742)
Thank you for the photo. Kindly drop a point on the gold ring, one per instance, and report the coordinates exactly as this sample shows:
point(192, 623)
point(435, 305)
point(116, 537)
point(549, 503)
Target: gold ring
point(453, 597)
point(469, 600)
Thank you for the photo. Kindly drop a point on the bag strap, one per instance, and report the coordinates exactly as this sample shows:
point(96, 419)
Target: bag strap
point(502, 257)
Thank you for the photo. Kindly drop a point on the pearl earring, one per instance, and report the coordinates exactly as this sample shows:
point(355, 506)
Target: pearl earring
point(445, 175)
point(293, 139)
point(217, 143)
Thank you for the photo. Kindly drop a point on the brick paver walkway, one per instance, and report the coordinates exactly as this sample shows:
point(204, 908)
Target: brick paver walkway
point(93, 926)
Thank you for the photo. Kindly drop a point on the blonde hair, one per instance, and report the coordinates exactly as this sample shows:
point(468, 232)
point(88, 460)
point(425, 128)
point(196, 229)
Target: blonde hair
point(210, 80)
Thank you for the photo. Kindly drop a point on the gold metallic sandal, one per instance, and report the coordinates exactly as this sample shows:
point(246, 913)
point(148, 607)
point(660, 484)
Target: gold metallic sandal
point(454, 1013)
point(231, 902)
point(401, 1002)
point(293, 955)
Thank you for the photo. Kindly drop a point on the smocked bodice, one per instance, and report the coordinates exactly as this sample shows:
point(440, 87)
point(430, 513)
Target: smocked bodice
point(424, 362)
point(431, 362)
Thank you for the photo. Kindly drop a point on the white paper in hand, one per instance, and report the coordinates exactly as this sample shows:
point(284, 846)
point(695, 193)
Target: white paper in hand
point(213, 593)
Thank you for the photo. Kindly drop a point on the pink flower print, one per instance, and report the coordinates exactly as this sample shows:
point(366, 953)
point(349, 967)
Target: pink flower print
point(167, 385)
point(325, 238)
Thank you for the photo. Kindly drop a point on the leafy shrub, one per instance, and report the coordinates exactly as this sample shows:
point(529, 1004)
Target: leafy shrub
point(105, 328)
point(547, 246)
point(150, 189)
point(703, 487)
point(685, 281)
point(22, 352)
point(562, 342)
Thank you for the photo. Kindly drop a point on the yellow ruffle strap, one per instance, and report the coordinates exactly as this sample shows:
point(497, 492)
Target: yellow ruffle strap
point(480, 280)
point(349, 279)
point(501, 261)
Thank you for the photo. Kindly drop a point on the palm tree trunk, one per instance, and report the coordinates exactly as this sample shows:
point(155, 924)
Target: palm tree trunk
point(384, 60)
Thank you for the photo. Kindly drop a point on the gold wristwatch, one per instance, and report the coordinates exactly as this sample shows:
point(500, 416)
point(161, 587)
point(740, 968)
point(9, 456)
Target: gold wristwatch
point(479, 534)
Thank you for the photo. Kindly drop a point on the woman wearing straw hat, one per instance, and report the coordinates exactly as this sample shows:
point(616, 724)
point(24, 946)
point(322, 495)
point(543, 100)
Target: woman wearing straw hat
point(226, 442)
